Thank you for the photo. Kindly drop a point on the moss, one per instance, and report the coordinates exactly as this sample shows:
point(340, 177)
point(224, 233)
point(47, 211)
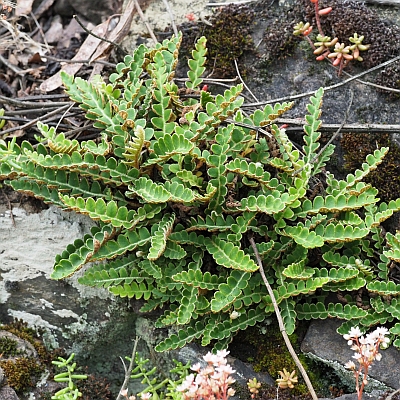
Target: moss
point(265, 348)
point(20, 328)
point(22, 373)
point(94, 388)
point(228, 38)
point(8, 347)
point(279, 40)
point(269, 353)
point(386, 178)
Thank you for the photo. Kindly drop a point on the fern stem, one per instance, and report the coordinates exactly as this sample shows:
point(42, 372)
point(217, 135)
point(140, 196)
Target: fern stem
point(281, 324)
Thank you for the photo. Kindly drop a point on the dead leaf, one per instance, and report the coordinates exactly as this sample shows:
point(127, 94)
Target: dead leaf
point(119, 32)
point(35, 59)
point(73, 30)
point(85, 52)
point(24, 7)
point(55, 32)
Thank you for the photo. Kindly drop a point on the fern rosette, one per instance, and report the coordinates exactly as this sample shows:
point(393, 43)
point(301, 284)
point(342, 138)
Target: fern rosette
point(180, 178)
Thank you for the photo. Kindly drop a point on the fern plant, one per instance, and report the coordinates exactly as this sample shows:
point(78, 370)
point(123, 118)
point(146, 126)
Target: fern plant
point(179, 179)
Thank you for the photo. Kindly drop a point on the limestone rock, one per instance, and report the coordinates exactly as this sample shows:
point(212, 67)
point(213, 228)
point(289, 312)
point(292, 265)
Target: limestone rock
point(7, 393)
point(323, 342)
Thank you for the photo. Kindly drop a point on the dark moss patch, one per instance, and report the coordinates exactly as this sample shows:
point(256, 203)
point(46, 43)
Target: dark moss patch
point(22, 373)
point(279, 41)
point(228, 38)
point(266, 350)
point(8, 347)
point(386, 178)
point(95, 388)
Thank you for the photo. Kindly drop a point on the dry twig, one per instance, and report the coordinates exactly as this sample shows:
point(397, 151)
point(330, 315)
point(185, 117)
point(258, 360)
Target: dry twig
point(171, 15)
point(243, 82)
point(128, 370)
point(140, 12)
point(301, 95)
point(280, 322)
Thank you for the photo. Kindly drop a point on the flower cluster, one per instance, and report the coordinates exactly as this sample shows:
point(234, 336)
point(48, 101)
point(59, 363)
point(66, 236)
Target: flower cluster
point(211, 382)
point(366, 351)
point(143, 396)
point(341, 54)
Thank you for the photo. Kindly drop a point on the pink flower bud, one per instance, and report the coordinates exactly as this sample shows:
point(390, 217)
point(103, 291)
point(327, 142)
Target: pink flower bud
point(320, 58)
point(325, 11)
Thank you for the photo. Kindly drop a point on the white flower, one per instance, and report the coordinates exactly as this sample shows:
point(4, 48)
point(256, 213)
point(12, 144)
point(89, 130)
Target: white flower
point(196, 367)
point(353, 333)
point(382, 331)
point(145, 396)
point(211, 358)
point(350, 365)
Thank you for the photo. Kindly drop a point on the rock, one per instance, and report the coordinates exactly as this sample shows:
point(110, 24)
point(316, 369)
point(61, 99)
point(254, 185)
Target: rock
point(7, 393)
point(374, 395)
point(84, 320)
point(325, 344)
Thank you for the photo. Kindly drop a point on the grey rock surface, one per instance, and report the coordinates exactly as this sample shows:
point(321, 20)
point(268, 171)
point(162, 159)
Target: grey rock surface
point(323, 342)
point(7, 393)
point(84, 320)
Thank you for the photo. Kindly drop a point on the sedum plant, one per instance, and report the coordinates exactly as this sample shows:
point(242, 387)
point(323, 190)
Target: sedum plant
point(180, 179)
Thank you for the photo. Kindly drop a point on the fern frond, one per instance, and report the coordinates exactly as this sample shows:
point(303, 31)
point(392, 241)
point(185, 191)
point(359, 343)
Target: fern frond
point(228, 292)
point(312, 125)
point(159, 237)
point(196, 278)
point(196, 64)
point(167, 146)
point(309, 311)
point(81, 252)
point(194, 331)
point(134, 147)
point(229, 255)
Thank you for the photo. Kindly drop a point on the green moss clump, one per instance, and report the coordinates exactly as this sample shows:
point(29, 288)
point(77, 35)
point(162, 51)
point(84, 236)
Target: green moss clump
point(22, 373)
point(386, 178)
point(20, 328)
point(8, 347)
point(273, 356)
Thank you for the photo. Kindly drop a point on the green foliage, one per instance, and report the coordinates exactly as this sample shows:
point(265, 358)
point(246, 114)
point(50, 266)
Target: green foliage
point(159, 389)
point(8, 347)
point(179, 185)
point(22, 371)
point(70, 392)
